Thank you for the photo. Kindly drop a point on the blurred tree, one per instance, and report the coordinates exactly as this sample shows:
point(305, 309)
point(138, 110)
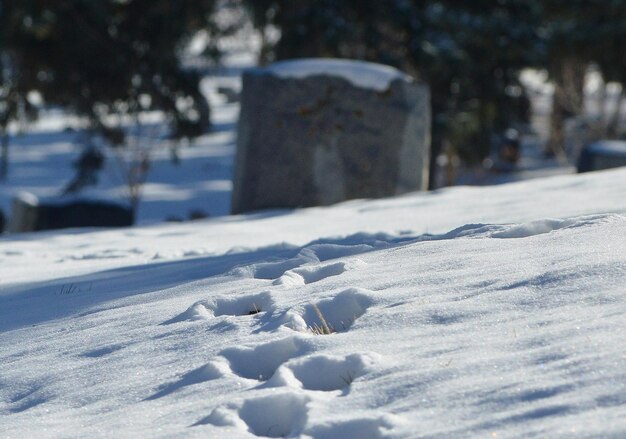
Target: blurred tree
point(579, 34)
point(14, 104)
point(108, 60)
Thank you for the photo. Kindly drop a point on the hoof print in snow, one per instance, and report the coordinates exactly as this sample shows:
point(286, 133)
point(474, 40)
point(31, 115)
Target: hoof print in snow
point(310, 274)
point(242, 306)
point(227, 306)
point(328, 373)
point(28, 399)
point(273, 269)
point(260, 362)
point(372, 428)
point(337, 314)
point(282, 415)
point(279, 415)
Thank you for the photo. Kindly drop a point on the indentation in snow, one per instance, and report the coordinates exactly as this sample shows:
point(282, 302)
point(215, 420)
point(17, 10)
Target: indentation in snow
point(316, 273)
point(260, 362)
point(29, 398)
point(326, 372)
point(340, 312)
point(549, 225)
point(524, 230)
point(320, 251)
point(278, 415)
point(282, 415)
point(366, 427)
point(247, 305)
point(274, 269)
point(227, 306)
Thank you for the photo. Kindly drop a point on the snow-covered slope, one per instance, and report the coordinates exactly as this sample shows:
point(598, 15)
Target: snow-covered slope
point(468, 312)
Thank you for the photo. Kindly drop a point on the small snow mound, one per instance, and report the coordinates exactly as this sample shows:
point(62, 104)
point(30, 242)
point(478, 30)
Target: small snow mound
point(197, 311)
point(340, 312)
point(361, 74)
point(293, 321)
point(260, 362)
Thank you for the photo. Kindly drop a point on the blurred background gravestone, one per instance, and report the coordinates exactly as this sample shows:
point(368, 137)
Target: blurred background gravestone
point(29, 214)
point(316, 132)
point(603, 154)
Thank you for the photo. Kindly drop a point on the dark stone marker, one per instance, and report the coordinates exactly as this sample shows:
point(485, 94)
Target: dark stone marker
point(603, 154)
point(321, 139)
point(31, 215)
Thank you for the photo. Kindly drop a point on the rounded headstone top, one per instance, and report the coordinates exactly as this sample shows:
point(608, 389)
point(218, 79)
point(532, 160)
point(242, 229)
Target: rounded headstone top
point(360, 73)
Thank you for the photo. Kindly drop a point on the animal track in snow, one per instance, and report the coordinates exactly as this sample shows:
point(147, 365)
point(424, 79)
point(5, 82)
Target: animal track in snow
point(340, 312)
point(29, 398)
point(309, 274)
point(318, 252)
point(322, 372)
point(227, 306)
point(371, 428)
point(260, 362)
point(277, 415)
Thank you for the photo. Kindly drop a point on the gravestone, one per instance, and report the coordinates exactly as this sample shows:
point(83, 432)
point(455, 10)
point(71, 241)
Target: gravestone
point(30, 214)
point(603, 154)
point(317, 132)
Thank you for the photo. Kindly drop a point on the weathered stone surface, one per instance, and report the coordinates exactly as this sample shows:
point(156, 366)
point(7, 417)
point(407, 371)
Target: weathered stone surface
point(320, 139)
point(29, 214)
point(603, 154)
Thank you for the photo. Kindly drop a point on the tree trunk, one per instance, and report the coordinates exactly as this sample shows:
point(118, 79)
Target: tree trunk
point(567, 101)
point(614, 123)
point(555, 147)
point(4, 155)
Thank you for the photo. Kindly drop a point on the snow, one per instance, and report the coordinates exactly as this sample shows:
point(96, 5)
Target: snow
point(491, 311)
point(360, 73)
point(466, 312)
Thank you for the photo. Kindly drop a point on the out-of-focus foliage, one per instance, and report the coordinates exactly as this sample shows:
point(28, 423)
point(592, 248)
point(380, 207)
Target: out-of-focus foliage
point(106, 57)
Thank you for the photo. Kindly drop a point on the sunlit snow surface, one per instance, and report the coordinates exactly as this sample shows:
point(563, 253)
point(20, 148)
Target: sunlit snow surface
point(468, 312)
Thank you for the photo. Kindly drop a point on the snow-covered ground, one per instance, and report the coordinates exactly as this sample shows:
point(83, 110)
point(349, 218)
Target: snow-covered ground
point(466, 312)
point(493, 311)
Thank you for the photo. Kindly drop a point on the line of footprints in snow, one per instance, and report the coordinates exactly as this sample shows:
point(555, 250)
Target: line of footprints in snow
point(290, 362)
